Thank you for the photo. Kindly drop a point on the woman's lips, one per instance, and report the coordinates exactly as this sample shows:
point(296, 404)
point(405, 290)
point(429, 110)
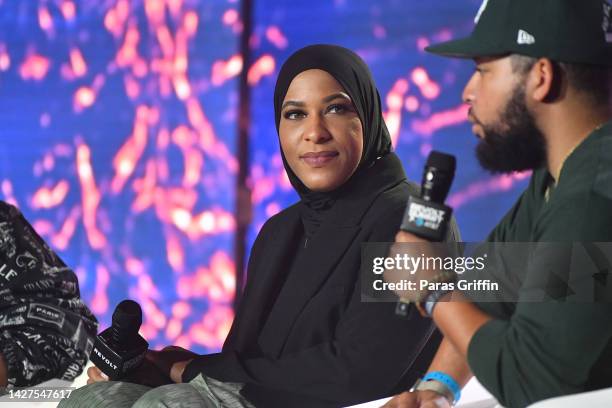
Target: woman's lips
point(319, 159)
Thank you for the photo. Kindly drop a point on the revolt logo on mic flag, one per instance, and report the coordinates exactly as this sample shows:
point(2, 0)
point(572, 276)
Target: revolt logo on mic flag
point(424, 215)
point(426, 219)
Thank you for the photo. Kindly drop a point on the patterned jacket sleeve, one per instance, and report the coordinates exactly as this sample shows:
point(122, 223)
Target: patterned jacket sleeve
point(46, 331)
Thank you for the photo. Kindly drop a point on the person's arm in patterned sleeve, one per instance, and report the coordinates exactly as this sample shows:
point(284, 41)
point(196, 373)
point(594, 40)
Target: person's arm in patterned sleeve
point(46, 331)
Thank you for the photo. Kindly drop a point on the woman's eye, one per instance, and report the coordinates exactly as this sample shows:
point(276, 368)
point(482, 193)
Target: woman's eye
point(337, 108)
point(293, 114)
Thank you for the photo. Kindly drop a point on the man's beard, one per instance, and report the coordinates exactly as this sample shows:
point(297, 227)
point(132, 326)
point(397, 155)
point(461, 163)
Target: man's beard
point(514, 143)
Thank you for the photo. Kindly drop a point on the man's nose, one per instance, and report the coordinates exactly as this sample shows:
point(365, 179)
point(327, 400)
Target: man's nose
point(469, 95)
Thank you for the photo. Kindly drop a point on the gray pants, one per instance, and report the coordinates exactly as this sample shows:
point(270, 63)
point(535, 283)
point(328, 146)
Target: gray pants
point(201, 392)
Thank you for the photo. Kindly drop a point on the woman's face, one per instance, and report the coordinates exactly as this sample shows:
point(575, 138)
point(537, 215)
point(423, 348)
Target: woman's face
point(320, 132)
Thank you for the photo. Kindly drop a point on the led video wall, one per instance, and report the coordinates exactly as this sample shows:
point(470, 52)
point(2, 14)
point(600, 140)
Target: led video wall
point(119, 123)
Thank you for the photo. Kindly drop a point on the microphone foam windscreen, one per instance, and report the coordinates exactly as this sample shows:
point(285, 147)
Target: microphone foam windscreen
point(128, 316)
point(442, 161)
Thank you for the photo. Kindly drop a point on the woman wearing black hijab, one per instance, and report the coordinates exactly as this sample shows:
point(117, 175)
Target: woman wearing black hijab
point(302, 337)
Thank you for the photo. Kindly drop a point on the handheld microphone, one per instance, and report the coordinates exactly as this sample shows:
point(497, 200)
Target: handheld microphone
point(120, 349)
point(427, 216)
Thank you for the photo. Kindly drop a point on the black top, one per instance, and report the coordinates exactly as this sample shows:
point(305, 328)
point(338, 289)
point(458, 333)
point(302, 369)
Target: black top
point(538, 350)
point(319, 345)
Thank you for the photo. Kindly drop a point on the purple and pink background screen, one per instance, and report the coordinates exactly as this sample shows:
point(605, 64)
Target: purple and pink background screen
point(119, 133)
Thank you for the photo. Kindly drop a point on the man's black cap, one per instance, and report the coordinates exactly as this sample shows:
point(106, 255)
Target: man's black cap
point(572, 31)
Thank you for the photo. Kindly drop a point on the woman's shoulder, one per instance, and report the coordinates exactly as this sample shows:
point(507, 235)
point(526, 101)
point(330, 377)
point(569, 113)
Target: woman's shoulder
point(389, 206)
point(381, 221)
point(396, 196)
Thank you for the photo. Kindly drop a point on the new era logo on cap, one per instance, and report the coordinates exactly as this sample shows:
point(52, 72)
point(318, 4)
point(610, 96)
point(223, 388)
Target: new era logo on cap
point(482, 8)
point(524, 38)
point(572, 31)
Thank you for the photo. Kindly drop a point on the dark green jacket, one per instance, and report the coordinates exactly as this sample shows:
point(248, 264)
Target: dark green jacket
point(537, 350)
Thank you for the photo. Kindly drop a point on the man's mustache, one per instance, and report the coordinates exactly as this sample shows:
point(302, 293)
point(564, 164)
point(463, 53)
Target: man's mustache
point(472, 117)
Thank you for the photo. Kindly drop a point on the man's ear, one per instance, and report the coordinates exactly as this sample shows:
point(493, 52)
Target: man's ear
point(544, 81)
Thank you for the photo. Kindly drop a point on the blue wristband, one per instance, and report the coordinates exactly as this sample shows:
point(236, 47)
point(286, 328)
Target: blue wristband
point(446, 380)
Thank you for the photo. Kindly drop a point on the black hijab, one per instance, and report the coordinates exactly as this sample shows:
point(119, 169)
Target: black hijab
point(355, 77)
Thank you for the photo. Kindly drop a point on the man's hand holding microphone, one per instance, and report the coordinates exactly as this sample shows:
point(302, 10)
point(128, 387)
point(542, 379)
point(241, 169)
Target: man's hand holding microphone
point(421, 233)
